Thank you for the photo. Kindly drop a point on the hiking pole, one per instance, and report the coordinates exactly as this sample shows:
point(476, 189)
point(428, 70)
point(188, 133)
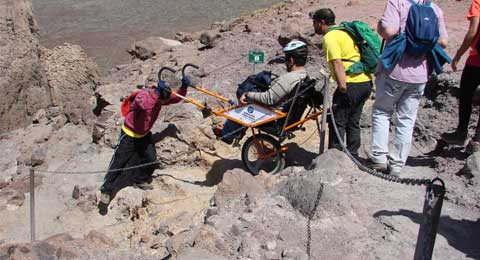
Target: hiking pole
point(431, 216)
point(32, 205)
point(208, 92)
point(324, 115)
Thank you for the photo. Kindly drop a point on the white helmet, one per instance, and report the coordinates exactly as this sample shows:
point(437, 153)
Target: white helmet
point(293, 45)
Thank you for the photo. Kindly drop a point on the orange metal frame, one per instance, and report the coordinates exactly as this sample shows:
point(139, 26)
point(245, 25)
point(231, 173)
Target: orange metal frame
point(221, 112)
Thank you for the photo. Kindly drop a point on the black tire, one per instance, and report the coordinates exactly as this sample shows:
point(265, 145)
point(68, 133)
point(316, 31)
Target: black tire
point(250, 153)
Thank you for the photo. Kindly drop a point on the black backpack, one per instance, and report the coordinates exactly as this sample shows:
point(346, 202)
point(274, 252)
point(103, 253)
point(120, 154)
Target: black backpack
point(259, 82)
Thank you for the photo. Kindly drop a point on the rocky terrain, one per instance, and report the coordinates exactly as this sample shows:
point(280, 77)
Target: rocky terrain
point(204, 205)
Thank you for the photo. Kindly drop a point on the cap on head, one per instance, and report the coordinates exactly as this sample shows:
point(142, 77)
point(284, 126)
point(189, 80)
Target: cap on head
point(325, 14)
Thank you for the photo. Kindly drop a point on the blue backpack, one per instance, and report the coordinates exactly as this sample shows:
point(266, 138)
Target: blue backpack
point(421, 29)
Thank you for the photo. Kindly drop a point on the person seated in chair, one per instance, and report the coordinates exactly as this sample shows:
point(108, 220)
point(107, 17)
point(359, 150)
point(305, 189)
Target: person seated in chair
point(281, 89)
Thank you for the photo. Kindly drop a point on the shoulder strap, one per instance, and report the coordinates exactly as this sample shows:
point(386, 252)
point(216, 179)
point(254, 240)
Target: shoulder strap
point(335, 27)
point(424, 2)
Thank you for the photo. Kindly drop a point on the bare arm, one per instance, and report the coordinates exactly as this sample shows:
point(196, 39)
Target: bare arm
point(467, 41)
point(386, 33)
point(443, 42)
point(340, 76)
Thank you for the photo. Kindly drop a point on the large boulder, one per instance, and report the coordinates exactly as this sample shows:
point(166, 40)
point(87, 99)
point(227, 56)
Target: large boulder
point(23, 83)
point(146, 49)
point(72, 78)
point(472, 166)
point(238, 183)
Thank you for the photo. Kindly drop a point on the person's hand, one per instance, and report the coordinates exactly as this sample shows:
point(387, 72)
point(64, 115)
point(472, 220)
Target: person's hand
point(243, 99)
point(342, 89)
point(455, 63)
point(163, 90)
point(161, 84)
point(186, 82)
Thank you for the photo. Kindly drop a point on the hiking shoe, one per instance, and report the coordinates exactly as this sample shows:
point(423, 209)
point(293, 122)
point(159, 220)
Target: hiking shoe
point(455, 138)
point(472, 147)
point(217, 131)
point(143, 186)
point(394, 171)
point(105, 198)
point(379, 167)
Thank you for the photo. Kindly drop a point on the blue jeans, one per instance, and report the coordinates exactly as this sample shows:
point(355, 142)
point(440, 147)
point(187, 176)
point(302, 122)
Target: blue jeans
point(229, 127)
point(403, 99)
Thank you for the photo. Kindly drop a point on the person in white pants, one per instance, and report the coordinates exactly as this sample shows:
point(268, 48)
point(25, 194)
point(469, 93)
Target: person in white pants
point(403, 99)
point(398, 90)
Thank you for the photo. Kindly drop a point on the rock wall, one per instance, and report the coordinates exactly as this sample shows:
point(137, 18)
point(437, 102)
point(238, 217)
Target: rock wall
point(23, 83)
point(72, 78)
point(33, 78)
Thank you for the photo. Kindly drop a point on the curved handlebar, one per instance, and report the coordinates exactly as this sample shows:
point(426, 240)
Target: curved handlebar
point(161, 71)
point(186, 66)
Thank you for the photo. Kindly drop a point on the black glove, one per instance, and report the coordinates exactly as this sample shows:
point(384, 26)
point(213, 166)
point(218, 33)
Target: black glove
point(186, 82)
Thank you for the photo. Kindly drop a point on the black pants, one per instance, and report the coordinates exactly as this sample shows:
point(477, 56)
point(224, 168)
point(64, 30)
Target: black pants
point(131, 152)
point(347, 109)
point(468, 84)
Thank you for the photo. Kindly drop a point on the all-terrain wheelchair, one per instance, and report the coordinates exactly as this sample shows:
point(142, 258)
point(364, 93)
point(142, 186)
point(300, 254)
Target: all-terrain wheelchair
point(263, 150)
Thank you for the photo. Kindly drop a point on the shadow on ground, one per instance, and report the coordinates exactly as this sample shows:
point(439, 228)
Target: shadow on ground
point(463, 235)
point(219, 167)
point(298, 156)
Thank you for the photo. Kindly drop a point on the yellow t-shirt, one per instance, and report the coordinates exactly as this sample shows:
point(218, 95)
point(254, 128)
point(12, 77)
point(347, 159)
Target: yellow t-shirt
point(337, 44)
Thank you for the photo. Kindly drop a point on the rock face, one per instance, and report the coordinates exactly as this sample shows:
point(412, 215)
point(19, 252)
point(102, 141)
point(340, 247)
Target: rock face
point(72, 78)
point(23, 83)
point(35, 78)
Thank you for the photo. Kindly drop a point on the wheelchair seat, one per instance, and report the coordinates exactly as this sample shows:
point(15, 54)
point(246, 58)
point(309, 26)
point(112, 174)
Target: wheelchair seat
point(307, 96)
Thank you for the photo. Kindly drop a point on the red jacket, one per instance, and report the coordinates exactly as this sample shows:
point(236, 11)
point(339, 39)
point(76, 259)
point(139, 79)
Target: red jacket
point(144, 111)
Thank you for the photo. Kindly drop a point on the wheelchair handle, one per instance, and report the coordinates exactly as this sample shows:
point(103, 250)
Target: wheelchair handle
point(161, 71)
point(186, 66)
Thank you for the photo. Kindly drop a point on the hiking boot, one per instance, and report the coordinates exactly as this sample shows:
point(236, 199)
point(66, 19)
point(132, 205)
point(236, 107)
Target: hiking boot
point(143, 186)
point(455, 138)
point(472, 147)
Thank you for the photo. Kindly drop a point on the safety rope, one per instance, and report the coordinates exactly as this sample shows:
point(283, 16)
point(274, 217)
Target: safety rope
point(101, 171)
point(387, 177)
point(226, 66)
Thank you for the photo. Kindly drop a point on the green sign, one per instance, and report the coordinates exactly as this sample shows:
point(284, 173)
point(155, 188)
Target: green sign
point(256, 56)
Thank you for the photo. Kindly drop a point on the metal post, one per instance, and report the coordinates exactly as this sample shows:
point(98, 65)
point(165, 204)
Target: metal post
point(324, 115)
point(32, 205)
point(431, 215)
point(253, 73)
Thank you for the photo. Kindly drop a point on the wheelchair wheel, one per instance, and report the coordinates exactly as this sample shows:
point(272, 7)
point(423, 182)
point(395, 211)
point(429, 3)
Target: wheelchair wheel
point(264, 145)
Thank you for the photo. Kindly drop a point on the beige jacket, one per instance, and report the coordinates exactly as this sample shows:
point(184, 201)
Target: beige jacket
point(279, 90)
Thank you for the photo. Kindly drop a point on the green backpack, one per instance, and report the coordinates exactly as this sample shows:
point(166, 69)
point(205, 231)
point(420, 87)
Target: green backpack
point(368, 44)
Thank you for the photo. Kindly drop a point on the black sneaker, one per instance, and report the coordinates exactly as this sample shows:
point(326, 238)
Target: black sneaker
point(103, 203)
point(455, 138)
